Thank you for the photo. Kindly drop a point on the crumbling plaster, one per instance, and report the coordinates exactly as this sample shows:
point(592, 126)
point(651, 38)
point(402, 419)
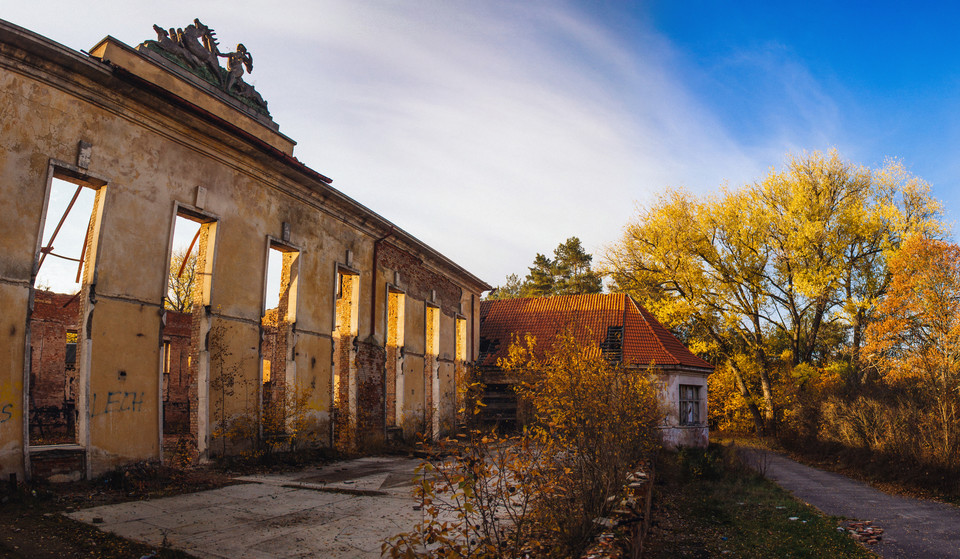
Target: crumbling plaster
point(673, 433)
point(153, 155)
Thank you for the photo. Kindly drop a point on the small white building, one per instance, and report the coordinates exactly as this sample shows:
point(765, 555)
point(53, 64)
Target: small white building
point(625, 333)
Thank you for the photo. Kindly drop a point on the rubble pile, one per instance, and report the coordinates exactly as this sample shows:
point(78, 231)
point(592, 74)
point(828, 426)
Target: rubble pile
point(865, 532)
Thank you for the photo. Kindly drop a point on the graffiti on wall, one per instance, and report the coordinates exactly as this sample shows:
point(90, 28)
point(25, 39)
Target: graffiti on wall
point(116, 402)
point(6, 413)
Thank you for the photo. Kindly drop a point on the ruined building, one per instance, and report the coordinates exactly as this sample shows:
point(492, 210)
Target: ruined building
point(367, 337)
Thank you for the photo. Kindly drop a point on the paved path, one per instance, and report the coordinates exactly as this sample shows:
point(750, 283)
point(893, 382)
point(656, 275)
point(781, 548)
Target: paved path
point(913, 528)
point(345, 509)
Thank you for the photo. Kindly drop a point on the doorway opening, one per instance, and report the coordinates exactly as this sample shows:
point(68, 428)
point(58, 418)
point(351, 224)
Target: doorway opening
point(54, 379)
point(279, 398)
point(346, 328)
point(184, 326)
point(396, 302)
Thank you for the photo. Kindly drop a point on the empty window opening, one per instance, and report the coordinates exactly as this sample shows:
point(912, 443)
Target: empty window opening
point(612, 346)
point(70, 357)
point(165, 388)
point(344, 358)
point(689, 404)
point(166, 357)
point(460, 365)
point(431, 381)
point(64, 240)
point(54, 375)
point(396, 302)
point(188, 284)
point(276, 322)
point(183, 265)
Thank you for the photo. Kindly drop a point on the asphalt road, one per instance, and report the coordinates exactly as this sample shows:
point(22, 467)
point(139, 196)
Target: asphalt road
point(913, 528)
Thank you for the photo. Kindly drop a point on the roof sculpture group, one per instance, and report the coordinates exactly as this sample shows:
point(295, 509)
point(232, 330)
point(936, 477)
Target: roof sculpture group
point(196, 48)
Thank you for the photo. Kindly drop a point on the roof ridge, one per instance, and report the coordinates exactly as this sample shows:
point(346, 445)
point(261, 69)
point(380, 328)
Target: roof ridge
point(653, 331)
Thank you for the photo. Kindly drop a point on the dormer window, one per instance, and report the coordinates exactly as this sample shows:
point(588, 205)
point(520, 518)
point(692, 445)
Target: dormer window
point(612, 347)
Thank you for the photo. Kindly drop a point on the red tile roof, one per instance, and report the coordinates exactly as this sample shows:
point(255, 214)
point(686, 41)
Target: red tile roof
point(645, 341)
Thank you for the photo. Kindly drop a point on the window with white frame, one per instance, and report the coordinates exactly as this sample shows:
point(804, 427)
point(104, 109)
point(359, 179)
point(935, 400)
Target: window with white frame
point(689, 404)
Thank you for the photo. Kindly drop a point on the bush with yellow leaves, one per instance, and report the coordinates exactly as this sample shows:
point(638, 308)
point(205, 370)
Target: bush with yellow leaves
point(541, 492)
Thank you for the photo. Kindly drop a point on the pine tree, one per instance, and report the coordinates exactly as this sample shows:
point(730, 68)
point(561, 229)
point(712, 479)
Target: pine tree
point(567, 273)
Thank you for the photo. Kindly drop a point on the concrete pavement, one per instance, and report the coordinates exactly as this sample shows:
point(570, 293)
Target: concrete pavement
point(344, 509)
point(913, 528)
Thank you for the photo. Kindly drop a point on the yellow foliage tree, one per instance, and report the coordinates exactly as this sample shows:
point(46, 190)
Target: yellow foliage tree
point(754, 275)
point(180, 281)
point(915, 343)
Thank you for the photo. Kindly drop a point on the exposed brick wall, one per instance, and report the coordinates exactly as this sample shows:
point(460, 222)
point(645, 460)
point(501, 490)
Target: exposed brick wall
point(431, 369)
point(344, 366)
point(417, 280)
point(53, 386)
point(58, 465)
point(274, 347)
point(370, 361)
point(271, 350)
point(176, 373)
point(53, 382)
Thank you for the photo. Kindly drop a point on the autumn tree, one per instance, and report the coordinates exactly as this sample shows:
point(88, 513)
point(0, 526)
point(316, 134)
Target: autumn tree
point(541, 491)
point(180, 281)
point(756, 276)
point(567, 273)
point(915, 341)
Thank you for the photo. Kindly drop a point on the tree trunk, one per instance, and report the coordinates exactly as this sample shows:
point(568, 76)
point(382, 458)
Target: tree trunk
point(856, 324)
point(769, 412)
point(748, 398)
point(766, 385)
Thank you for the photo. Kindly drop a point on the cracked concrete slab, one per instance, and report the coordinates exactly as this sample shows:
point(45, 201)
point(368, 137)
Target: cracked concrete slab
point(345, 509)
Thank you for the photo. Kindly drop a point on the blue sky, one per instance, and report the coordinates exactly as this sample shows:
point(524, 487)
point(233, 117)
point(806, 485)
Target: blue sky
point(495, 130)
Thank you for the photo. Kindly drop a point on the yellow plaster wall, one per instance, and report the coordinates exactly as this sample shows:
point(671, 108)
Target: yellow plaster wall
point(415, 327)
point(123, 409)
point(448, 398)
point(234, 369)
point(151, 161)
point(413, 392)
point(12, 333)
point(316, 288)
point(448, 337)
point(314, 378)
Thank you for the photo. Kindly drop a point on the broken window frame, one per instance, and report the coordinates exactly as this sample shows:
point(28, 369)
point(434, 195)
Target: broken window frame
point(57, 169)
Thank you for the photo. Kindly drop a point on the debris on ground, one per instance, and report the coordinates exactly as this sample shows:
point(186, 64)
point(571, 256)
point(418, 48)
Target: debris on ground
point(865, 532)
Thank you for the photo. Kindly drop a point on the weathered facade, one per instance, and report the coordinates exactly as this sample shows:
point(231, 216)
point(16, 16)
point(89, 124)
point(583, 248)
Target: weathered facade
point(372, 327)
point(616, 327)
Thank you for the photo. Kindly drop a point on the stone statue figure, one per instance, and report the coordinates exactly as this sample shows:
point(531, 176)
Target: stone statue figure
point(206, 51)
point(170, 42)
point(197, 46)
point(235, 63)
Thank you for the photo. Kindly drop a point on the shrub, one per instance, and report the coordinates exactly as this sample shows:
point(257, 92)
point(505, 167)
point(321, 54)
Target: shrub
point(540, 492)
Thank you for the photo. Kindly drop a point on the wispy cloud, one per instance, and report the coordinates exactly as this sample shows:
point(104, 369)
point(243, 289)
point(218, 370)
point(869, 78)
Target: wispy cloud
point(490, 130)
